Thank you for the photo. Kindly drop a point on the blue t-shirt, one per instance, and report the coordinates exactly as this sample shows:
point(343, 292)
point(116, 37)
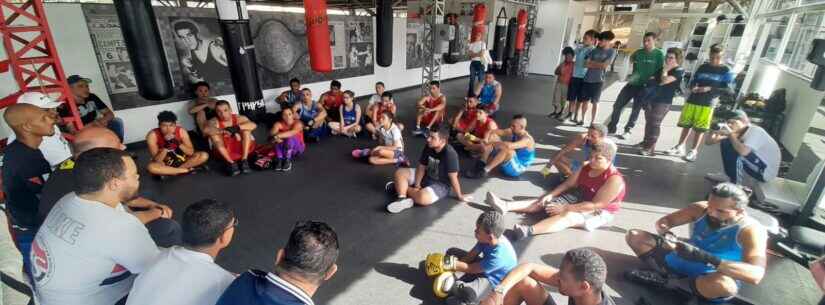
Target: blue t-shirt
point(498, 260)
point(578, 67)
point(262, 288)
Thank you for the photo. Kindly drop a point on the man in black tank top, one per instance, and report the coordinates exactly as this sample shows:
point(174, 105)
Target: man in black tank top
point(207, 58)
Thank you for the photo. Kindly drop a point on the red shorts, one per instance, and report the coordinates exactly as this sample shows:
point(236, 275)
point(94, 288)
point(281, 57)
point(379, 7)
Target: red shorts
point(429, 117)
point(235, 148)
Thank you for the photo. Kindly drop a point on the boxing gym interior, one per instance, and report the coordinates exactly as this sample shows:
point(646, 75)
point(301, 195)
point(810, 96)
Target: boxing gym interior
point(633, 82)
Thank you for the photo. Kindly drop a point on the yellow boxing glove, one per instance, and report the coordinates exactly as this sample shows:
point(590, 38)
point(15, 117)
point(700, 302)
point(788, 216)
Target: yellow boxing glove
point(470, 137)
point(443, 284)
point(438, 263)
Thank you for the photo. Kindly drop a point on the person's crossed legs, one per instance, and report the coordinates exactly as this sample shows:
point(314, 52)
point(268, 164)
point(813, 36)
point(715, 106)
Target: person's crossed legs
point(161, 169)
point(429, 193)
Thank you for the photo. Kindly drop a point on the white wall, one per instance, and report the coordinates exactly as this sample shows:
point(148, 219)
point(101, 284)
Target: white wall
point(546, 51)
point(76, 52)
point(801, 99)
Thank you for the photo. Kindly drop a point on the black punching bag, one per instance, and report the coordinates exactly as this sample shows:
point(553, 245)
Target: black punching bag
point(453, 52)
point(500, 39)
point(512, 29)
point(140, 32)
point(240, 54)
point(383, 32)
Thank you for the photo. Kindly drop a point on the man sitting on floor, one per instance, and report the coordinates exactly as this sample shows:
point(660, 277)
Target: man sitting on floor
point(313, 115)
point(89, 249)
point(514, 151)
point(231, 136)
point(424, 185)
point(726, 247)
point(332, 101)
point(171, 149)
point(484, 266)
point(581, 277)
point(157, 217)
point(307, 261)
point(208, 228)
point(749, 154)
point(584, 141)
point(431, 110)
point(291, 97)
point(464, 118)
point(203, 107)
point(480, 134)
point(489, 93)
point(90, 108)
point(55, 148)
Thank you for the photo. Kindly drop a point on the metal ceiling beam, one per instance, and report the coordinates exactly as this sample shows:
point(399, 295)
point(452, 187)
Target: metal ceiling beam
point(666, 14)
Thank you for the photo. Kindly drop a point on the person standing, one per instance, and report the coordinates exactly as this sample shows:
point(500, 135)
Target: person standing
point(563, 73)
point(574, 91)
point(646, 62)
point(709, 82)
point(476, 50)
point(25, 171)
point(597, 62)
point(662, 89)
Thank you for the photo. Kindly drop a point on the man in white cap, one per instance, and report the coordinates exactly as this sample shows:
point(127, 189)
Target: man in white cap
point(55, 148)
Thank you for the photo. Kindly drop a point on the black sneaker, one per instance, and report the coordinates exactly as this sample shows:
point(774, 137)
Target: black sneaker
point(233, 169)
point(648, 278)
point(580, 123)
point(277, 165)
point(244, 166)
point(390, 188)
point(287, 165)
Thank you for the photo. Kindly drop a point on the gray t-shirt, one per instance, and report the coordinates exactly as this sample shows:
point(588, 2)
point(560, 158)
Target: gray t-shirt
point(602, 56)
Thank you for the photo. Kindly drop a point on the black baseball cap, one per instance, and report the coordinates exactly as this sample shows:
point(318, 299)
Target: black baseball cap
point(76, 78)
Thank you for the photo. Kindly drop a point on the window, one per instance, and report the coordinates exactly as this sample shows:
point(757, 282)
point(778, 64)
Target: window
point(779, 25)
point(783, 4)
point(805, 29)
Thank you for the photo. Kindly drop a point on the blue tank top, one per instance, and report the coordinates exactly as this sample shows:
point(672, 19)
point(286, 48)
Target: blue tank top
point(349, 116)
point(722, 242)
point(307, 112)
point(488, 93)
point(525, 154)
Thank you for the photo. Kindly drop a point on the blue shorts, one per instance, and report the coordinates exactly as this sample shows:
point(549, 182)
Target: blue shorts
point(515, 167)
point(574, 90)
point(692, 270)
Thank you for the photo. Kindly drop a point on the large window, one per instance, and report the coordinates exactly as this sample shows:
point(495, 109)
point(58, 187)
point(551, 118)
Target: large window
point(779, 26)
point(806, 28)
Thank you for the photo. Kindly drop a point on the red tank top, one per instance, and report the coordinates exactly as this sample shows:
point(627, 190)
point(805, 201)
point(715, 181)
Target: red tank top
point(482, 129)
point(468, 116)
point(383, 109)
point(566, 72)
point(283, 127)
point(332, 100)
point(222, 126)
point(589, 186)
point(161, 141)
point(434, 102)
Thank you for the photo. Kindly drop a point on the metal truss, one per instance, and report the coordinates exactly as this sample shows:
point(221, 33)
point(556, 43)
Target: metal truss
point(431, 70)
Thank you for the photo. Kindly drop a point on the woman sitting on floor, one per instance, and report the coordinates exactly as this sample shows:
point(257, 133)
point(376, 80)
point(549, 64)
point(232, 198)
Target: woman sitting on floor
point(288, 140)
point(390, 149)
point(350, 114)
point(589, 199)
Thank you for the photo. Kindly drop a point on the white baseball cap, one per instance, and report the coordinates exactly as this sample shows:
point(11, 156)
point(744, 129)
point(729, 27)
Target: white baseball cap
point(37, 99)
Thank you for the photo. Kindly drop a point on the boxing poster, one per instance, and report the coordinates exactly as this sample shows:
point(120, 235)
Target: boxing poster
point(200, 49)
point(415, 40)
point(111, 53)
point(339, 48)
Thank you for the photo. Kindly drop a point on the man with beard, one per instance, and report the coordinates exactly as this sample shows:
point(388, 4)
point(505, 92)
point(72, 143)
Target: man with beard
point(231, 136)
point(90, 246)
point(206, 60)
point(726, 247)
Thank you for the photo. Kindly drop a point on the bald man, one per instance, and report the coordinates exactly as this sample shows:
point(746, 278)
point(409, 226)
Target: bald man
point(157, 217)
point(25, 171)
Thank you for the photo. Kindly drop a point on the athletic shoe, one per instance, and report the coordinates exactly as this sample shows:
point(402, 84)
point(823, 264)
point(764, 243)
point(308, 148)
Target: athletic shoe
point(646, 277)
point(676, 151)
point(390, 188)
point(418, 131)
point(520, 232)
point(278, 165)
point(244, 166)
point(234, 169)
point(580, 123)
point(717, 177)
point(454, 300)
point(495, 202)
point(624, 135)
point(646, 152)
point(399, 205)
point(287, 165)
point(564, 118)
point(691, 155)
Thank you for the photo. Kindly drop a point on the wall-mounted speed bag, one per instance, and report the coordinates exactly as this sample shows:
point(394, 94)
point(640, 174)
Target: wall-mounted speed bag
point(320, 52)
point(500, 39)
point(383, 32)
point(140, 32)
point(479, 14)
point(512, 29)
point(521, 35)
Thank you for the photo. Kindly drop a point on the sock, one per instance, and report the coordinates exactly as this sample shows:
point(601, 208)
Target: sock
point(487, 170)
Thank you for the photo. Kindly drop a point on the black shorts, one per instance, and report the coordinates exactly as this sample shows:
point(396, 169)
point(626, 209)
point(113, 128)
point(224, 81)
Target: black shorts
point(591, 92)
point(575, 89)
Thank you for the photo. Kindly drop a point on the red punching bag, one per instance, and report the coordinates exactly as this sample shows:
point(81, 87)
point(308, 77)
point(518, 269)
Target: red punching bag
point(522, 30)
point(320, 52)
point(479, 14)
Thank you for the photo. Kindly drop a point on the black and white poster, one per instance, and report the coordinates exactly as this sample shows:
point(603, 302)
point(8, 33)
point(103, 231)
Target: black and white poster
point(415, 40)
point(193, 44)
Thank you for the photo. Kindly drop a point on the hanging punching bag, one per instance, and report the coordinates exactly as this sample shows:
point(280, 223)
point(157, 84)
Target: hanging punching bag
point(453, 51)
point(500, 39)
point(320, 52)
point(240, 54)
point(521, 35)
point(140, 33)
point(479, 14)
point(383, 34)
point(512, 29)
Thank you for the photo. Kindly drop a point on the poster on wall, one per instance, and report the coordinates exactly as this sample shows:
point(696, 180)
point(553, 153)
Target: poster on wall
point(193, 44)
point(107, 39)
point(415, 41)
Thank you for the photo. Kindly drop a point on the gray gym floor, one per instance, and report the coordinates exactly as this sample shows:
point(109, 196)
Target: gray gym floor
point(380, 253)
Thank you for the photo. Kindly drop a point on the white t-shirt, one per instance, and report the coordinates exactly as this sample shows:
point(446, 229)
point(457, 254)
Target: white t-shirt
point(375, 98)
point(476, 47)
point(180, 276)
point(55, 148)
point(87, 253)
point(389, 136)
point(762, 144)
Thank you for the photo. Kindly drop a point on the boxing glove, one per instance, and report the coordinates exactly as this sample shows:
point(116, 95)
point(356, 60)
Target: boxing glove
point(470, 137)
point(171, 144)
point(443, 284)
point(693, 253)
point(233, 129)
point(438, 263)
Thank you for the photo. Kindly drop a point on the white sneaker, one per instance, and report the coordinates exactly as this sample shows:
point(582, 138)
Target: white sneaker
point(677, 151)
point(717, 177)
point(691, 156)
point(624, 135)
point(399, 205)
point(493, 201)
